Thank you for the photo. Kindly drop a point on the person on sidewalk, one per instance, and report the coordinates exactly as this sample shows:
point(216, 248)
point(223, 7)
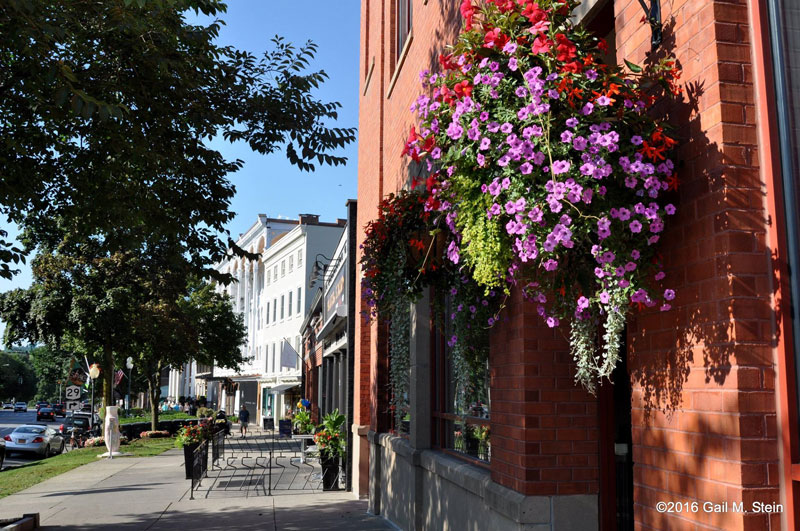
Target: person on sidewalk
point(244, 420)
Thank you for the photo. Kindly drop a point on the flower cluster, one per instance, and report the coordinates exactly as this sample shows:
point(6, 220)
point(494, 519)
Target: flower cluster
point(157, 434)
point(550, 175)
point(100, 441)
point(189, 435)
point(399, 252)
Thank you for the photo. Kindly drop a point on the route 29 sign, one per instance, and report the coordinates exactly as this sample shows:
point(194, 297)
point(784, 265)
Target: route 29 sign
point(73, 392)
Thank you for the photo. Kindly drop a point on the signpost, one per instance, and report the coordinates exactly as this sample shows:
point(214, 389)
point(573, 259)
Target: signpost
point(73, 392)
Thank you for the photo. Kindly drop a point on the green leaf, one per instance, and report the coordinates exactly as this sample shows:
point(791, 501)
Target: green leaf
point(633, 67)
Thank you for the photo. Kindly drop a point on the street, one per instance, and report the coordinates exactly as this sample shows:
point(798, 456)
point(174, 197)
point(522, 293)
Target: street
point(10, 420)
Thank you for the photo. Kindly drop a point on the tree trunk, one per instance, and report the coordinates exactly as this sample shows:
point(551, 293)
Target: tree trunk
point(108, 376)
point(153, 381)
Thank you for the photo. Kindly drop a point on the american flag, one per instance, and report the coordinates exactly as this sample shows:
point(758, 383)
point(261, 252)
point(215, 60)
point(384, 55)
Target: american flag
point(118, 376)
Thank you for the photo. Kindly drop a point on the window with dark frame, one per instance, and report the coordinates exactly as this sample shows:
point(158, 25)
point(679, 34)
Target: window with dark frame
point(460, 429)
point(402, 24)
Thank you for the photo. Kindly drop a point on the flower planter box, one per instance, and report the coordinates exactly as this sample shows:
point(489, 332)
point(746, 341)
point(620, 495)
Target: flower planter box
point(330, 472)
point(188, 458)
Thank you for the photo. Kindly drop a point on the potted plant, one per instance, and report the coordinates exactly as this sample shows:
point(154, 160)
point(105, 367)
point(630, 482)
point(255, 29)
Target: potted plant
point(331, 443)
point(302, 422)
point(189, 438)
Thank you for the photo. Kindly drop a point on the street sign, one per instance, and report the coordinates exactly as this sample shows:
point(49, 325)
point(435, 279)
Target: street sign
point(73, 405)
point(73, 392)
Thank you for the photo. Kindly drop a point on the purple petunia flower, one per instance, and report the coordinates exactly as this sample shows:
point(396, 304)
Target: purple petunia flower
point(635, 226)
point(560, 166)
point(669, 294)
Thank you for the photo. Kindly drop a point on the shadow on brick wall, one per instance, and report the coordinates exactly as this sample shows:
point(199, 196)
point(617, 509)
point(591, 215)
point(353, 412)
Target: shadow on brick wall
point(700, 258)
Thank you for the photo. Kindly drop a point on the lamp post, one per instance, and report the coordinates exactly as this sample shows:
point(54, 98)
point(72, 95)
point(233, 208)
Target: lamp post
point(129, 365)
point(94, 372)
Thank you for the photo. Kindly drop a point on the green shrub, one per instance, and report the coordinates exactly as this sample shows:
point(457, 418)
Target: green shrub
point(205, 412)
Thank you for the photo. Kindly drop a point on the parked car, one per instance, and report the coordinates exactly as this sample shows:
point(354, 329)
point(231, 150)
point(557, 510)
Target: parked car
point(8, 405)
point(79, 422)
point(59, 410)
point(35, 438)
point(20, 406)
point(45, 413)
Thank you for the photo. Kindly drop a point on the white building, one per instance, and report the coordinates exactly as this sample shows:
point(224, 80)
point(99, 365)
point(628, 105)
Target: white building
point(272, 294)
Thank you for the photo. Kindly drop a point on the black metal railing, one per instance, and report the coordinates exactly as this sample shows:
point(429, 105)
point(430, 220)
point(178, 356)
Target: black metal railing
point(217, 447)
point(199, 466)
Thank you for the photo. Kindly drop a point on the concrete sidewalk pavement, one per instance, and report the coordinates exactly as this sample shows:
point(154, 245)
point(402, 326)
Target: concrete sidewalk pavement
point(150, 493)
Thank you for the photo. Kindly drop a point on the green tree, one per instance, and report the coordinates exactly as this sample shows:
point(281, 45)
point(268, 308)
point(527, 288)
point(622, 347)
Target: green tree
point(50, 367)
point(199, 324)
point(17, 379)
point(106, 109)
point(89, 302)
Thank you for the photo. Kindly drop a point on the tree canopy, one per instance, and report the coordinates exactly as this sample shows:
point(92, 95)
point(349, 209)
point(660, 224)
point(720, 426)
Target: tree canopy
point(106, 111)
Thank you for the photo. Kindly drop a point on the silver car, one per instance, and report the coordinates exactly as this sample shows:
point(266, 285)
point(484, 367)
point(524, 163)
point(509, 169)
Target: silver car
point(35, 438)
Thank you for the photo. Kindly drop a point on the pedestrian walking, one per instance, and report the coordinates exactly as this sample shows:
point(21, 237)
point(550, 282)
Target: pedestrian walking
point(244, 420)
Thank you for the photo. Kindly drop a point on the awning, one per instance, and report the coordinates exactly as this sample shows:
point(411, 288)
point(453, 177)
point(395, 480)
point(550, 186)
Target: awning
point(278, 389)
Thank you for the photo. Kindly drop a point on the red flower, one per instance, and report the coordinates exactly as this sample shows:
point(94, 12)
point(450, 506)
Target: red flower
point(603, 45)
point(447, 62)
point(463, 89)
point(575, 67)
point(468, 12)
point(541, 45)
point(534, 13)
point(565, 49)
point(416, 244)
point(503, 5)
point(495, 39)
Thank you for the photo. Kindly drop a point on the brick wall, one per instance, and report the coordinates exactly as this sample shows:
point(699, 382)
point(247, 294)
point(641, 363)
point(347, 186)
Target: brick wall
point(704, 424)
point(544, 427)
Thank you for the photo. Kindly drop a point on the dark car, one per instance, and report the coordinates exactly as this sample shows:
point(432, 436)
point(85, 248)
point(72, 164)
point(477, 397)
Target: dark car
point(45, 413)
point(78, 422)
point(40, 405)
point(59, 410)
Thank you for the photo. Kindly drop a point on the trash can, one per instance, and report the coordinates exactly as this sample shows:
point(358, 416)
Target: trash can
point(269, 423)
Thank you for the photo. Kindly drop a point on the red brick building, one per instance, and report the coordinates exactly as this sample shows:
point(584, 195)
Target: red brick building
point(705, 409)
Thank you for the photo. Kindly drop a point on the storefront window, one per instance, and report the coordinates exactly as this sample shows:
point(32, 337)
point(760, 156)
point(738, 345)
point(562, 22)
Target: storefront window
point(461, 402)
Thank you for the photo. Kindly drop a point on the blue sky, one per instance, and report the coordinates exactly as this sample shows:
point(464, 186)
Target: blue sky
point(269, 184)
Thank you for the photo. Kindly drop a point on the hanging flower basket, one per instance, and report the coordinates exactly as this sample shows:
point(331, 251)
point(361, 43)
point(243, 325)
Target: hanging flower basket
point(548, 172)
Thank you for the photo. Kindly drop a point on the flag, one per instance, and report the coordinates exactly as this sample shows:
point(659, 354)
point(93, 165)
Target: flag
point(288, 355)
point(118, 376)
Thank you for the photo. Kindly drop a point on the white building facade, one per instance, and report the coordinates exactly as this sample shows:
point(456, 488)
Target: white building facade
point(272, 294)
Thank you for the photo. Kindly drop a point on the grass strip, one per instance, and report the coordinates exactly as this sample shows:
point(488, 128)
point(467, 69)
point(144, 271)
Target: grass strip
point(21, 478)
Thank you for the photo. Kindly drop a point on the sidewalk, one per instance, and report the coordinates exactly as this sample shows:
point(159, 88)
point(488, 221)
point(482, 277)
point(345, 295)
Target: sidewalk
point(150, 493)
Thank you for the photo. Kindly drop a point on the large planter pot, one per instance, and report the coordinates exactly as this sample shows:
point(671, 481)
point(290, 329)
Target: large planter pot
point(188, 458)
point(330, 472)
